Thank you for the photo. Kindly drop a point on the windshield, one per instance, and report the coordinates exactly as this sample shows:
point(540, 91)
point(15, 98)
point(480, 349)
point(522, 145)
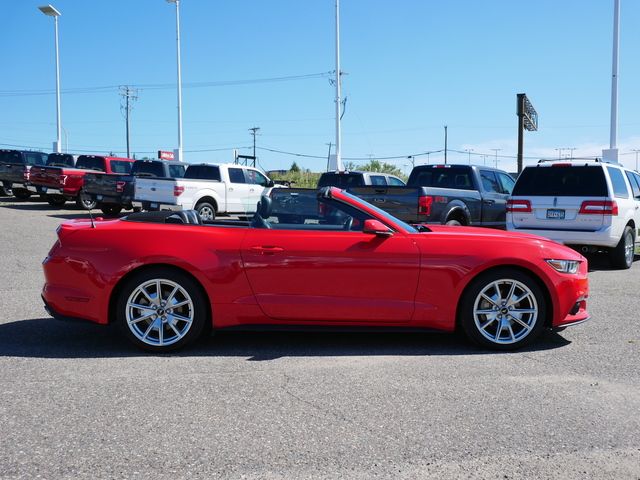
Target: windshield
point(561, 181)
point(89, 162)
point(60, 160)
point(441, 177)
point(383, 214)
point(341, 180)
point(9, 156)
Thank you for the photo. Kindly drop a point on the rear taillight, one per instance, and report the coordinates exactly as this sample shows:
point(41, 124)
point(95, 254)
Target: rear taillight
point(62, 179)
point(25, 175)
point(177, 190)
point(120, 187)
point(520, 206)
point(424, 205)
point(599, 207)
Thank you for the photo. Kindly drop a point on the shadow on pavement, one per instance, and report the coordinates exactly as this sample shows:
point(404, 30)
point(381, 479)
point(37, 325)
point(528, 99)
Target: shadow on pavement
point(49, 338)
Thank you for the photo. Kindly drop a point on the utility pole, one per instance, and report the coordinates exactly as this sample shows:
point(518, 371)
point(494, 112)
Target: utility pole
point(445, 144)
point(254, 131)
point(559, 150)
point(636, 150)
point(129, 95)
point(571, 152)
point(496, 150)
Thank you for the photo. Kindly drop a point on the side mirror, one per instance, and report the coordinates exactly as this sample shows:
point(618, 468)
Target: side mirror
point(376, 227)
point(270, 184)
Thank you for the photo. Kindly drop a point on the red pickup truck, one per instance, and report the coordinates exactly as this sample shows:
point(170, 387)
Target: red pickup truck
point(64, 183)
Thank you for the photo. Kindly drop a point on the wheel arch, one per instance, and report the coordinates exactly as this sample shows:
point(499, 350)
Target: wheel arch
point(457, 212)
point(115, 291)
point(208, 199)
point(533, 275)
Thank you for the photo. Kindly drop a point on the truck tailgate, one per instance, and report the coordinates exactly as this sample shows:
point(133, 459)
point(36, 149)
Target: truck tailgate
point(401, 202)
point(156, 190)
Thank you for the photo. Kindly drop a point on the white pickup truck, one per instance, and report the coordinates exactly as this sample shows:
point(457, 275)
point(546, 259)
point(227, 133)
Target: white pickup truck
point(210, 189)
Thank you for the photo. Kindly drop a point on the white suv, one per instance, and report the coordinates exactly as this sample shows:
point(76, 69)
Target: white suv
point(587, 204)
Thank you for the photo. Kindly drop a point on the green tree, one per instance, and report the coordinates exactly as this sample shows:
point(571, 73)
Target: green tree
point(294, 168)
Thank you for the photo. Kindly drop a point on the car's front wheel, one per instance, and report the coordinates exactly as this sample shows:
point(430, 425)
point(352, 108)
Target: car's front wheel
point(161, 309)
point(56, 200)
point(503, 309)
point(21, 193)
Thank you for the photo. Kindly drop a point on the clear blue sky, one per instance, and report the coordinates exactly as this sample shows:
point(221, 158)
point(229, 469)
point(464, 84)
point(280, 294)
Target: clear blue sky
point(411, 67)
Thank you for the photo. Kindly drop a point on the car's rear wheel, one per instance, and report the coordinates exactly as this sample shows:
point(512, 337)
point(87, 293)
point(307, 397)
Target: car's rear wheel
point(21, 193)
point(56, 200)
point(161, 310)
point(206, 211)
point(622, 255)
point(503, 309)
point(453, 222)
point(111, 210)
point(84, 200)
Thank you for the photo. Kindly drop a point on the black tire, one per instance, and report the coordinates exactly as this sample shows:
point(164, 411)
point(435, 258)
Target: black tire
point(182, 333)
point(497, 328)
point(110, 209)
point(21, 193)
point(56, 200)
point(6, 189)
point(84, 201)
point(622, 255)
point(206, 211)
point(453, 222)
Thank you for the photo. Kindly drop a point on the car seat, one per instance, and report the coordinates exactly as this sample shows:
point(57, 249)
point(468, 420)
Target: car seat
point(185, 216)
point(262, 213)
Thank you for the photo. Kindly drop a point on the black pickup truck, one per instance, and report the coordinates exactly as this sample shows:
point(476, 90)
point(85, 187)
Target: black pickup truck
point(446, 194)
point(115, 192)
point(15, 166)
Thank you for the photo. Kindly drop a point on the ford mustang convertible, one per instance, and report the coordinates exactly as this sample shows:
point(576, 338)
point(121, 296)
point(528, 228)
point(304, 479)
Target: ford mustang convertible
point(310, 259)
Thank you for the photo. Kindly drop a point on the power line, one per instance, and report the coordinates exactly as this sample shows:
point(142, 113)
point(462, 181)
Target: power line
point(164, 86)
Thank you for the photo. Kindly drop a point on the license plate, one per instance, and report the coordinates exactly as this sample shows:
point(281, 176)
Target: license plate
point(555, 214)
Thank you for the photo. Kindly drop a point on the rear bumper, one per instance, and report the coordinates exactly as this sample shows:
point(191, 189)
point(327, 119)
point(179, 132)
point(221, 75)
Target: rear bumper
point(602, 238)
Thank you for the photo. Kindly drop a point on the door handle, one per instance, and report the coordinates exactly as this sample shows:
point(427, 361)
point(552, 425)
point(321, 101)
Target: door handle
point(266, 250)
point(488, 202)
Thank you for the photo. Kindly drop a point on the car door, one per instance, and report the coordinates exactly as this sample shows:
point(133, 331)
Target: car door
point(257, 184)
point(322, 268)
point(238, 192)
point(494, 200)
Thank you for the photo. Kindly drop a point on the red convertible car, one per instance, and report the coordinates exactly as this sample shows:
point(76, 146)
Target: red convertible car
point(310, 258)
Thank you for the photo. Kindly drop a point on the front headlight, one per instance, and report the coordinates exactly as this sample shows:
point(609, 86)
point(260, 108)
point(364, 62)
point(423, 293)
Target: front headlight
point(564, 266)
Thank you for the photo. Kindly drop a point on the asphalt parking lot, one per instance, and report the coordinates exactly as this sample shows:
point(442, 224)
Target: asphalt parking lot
point(77, 401)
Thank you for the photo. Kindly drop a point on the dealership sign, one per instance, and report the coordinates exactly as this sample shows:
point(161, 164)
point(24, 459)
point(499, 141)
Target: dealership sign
point(162, 155)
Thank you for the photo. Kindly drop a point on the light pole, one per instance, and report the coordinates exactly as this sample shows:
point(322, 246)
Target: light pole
point(50, 11)
point(177, 2)
point(339, 165)
point(469, 150)
point(559, 150)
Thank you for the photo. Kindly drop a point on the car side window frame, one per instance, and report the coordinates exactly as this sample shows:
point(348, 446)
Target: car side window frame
point(495, 189)
point(235, 171)
point(615, 174)
point(501, 180)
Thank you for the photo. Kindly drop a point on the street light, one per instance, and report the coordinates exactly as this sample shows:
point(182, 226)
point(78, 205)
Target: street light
point(177, 2)
point(50, 11)
point(469, 150)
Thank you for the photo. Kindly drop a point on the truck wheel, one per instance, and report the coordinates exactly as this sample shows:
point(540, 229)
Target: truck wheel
point(56, 200)
point(453, 222)
point(111, 210)
point(206, 211)
point(622, 255)
point(21, 193)
point(6, 188)
point(84, 201)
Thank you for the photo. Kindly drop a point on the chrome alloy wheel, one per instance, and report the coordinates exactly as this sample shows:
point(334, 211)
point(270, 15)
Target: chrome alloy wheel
point(628, 246)
point(505, 311)
point(159, 312)
point(206, 212)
